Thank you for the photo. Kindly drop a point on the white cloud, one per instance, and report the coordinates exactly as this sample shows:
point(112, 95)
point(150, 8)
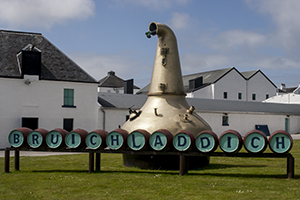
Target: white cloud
point(126, 66)
point(234, 39)
point(198, 62)
point(43, 13)
point(286, 17)
point(152, 4)
point(180, 21)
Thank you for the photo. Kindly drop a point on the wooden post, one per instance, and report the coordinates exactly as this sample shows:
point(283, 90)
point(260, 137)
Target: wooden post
point(98, 161)
point(290, 167)
point(17, 160)
point(182, 165)
point(91, 162)
point(6, 162)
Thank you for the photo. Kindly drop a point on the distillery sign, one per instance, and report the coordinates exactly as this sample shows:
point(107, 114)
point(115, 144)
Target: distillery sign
point(229, 141)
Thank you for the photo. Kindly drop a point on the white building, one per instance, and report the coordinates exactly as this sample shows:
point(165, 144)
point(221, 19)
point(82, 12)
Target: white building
point(114, 84)
point(42, 88)
point(242, 116)
point(227, 84)
point(286, 95)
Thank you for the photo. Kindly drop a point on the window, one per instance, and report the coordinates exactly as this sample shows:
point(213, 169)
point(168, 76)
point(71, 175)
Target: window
point(68, 124)
point(240, 96)
point(267, 96)
point(30, 122)
point(69, 98)
point(225, 95)
point(287, 124)
point(225, 120)
point(253, 97)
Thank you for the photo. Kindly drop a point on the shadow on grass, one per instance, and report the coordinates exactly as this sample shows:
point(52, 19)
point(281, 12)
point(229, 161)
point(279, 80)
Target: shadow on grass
point(199, 172)
point(277, 176)
point(60, 170)
point(176, 173)
point(225, 166)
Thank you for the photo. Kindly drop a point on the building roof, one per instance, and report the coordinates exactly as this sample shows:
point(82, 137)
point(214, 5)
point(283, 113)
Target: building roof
point(55, 64)
point(123, 101)
point(287, 90)
point(210, 77)
point(119, 100)
point(113, 81)
point(249, 74)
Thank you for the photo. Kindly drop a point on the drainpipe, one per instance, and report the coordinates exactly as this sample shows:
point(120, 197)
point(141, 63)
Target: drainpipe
point(103, 123)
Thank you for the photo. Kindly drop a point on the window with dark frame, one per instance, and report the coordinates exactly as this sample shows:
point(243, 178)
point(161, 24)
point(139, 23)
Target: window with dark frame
point(267, 96)
point(225, 95)
point(30, 122)
point(69, 98)
point(240, 95)
point(253, 97)
point(68, 124)
point(225, 120)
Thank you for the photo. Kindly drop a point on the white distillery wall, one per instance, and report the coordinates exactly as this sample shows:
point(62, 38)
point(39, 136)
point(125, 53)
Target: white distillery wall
point(113, 118)
point(285, 98)
point(241, 122)
point(232, 83)
point(260, 86)
point(205, 93)
point(245, 122)
point(43, 100)
point(114, 90)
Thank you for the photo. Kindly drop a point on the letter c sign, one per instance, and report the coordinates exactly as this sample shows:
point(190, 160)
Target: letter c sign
point(255, 141)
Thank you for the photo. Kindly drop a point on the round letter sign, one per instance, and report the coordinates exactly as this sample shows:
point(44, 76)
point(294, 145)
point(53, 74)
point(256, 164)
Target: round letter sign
point(255, 141)
point(138, 140)
point(17, 137)
point(207, 141)
point(183, 140)
point(54, 138)
point(281, 142)
point(75, 138)
point(160, 140)
point(230, 141)
point(36, 138)
point(96, 139)
point(116, 139)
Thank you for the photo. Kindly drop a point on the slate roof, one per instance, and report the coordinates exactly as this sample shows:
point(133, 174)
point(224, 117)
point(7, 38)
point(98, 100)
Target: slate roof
point(119, 100)
point(55, 65)
point(122, 101)
point(210, 77)
point(249, 74)
point(113, 81)
point(287, 90)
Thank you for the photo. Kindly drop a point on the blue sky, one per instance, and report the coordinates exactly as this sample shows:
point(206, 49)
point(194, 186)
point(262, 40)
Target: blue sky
point(104, 35)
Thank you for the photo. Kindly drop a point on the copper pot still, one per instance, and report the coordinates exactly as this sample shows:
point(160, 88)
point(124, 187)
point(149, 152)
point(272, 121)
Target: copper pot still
point(166, 106)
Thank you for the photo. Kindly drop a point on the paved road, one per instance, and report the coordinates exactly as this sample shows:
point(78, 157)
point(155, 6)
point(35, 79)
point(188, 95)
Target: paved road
point(37, 153)
point(40, 153)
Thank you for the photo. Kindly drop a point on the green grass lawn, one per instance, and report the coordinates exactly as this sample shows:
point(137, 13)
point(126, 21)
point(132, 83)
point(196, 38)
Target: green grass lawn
point(67, 177)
